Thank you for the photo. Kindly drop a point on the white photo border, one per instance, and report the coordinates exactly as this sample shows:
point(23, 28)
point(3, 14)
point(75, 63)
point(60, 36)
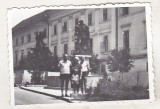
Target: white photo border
point(149, 48)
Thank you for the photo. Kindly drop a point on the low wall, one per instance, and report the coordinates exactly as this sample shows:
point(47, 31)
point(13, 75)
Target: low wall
point(92, 81)
point(136, 76)
point(53, 80)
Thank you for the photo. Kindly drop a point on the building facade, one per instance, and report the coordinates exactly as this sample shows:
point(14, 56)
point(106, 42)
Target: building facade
point(24, 36)
point(107, 30)
point(110, 28)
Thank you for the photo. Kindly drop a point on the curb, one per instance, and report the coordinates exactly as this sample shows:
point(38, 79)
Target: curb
point(55, 96)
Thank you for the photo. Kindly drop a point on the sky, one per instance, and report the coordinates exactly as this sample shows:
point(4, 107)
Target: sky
point(17, 15)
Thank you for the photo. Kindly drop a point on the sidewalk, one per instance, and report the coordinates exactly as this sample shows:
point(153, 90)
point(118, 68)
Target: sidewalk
point(53, 93)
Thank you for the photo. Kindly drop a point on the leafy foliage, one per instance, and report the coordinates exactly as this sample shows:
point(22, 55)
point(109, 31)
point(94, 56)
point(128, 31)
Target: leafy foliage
point(112, 90)
point(119, 60)
point(40, 59)
point(94, 64)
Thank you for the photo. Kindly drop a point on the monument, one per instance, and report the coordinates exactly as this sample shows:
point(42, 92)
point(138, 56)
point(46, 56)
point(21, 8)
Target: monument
point(82, 39)
point(83, 50)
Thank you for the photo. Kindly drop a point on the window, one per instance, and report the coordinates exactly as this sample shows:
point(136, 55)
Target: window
point(45, 33)
point(22, 39)
point(106, 43)
point(76, 21)
point(90, 19)
point(65, 48)
point(145, 36)
point(125, 11)
point(103, 68)
point(147, 66)
point(64, 27)
point(55, 29)
point(16, 57)
point(55, 50)
point(28, 51)
point(22, 54)
point(126, 39)
point(16, 41)
point(105, 14)
point(72, 52)
point(36, 33)
point(91, 45)
point(29, 38)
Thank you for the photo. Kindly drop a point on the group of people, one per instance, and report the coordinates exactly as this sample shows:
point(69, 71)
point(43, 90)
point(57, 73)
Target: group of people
point(75, 71)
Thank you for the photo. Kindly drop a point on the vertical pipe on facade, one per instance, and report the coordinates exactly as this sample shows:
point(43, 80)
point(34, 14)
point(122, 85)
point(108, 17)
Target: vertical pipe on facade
point(116, 21)
point(46, 15)
point(48, 32)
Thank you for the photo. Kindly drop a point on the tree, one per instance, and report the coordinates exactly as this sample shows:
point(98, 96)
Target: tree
point(40, 59)
point(119, 60)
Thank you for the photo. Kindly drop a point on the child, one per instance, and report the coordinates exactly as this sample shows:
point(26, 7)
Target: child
point(75, 82)
point(76, 68)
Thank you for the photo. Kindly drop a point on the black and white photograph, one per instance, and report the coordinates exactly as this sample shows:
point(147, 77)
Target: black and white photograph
point(80, 55)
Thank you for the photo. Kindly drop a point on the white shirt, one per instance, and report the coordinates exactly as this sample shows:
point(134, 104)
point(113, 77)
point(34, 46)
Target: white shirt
point(64, 67)
point(85, 66)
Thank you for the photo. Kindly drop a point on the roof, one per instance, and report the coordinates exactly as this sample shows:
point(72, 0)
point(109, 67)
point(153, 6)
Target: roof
point(40, 17)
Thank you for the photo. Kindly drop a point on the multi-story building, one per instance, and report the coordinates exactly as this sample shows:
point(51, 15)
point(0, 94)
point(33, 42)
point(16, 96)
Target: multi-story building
point(110, 28)
point(24, 34)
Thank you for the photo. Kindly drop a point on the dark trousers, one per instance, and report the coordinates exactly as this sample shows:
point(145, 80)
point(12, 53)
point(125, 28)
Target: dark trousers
point(75, 88)
point(83, 82)
point(64, 81)
point(83, 85)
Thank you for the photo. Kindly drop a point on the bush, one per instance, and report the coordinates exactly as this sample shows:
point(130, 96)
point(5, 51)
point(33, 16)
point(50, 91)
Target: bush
point(112, 90)
point(119, 60)
point(89, 90)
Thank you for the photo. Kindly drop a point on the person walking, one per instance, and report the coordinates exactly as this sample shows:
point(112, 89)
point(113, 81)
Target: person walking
point(65, 75)
point(84, 74)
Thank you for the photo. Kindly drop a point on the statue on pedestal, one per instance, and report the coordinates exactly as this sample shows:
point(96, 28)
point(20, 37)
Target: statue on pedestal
point(82, 39)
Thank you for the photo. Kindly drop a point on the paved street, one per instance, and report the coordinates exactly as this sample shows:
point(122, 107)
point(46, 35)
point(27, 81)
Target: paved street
point(23, 97)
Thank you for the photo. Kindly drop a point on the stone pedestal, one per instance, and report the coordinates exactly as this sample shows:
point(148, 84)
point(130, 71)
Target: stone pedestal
point(92, 79)
point(86, 58)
